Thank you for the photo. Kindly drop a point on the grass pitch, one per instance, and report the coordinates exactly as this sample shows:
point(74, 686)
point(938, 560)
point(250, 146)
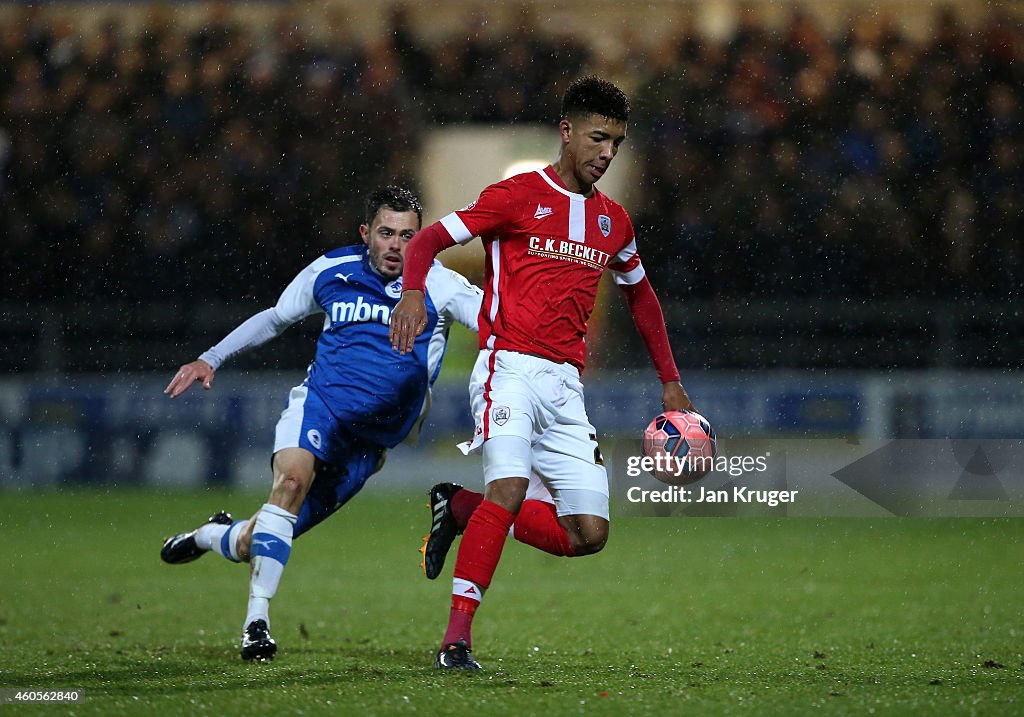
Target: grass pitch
point(676, 616)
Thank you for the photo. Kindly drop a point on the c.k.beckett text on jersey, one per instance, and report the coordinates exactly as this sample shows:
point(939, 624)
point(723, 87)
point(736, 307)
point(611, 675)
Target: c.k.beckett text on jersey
point(568, 251)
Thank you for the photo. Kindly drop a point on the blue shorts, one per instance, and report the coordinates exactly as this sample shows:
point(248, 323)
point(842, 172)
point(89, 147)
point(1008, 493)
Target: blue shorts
point(344, 462)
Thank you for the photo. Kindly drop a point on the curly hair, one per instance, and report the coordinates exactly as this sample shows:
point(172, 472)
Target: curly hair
point(399, 199)
point(593, 95)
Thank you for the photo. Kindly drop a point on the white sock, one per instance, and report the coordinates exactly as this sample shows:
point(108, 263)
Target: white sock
point(467, 589)
point(221, 539)
point(269, 550)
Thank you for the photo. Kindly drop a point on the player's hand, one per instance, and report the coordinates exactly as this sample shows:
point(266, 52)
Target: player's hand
point(674, 397)
point(408, 319)
point(189, 374)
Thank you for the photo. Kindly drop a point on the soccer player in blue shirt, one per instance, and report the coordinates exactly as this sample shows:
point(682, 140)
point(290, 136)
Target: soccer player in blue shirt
point(359, 397)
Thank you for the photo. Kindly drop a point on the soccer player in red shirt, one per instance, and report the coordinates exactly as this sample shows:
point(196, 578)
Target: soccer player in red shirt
point(548, 237)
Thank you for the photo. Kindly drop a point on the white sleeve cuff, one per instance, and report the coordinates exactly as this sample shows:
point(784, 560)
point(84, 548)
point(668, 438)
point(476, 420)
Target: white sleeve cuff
point(254, 331)
point(628, 278)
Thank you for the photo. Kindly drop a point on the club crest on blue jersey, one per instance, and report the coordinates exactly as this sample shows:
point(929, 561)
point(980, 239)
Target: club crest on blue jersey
point(394, 289)
point(604, 223)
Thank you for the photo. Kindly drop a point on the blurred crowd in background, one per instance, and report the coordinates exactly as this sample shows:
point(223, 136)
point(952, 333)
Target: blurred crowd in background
point(215, 162)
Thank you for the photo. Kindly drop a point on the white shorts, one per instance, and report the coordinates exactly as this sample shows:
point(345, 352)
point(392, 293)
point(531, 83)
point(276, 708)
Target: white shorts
point(541, 403)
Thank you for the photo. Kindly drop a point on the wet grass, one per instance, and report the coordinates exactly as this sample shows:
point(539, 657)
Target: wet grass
point(698, 616)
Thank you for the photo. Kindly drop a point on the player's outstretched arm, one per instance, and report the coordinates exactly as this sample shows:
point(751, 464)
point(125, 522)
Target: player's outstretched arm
point(254, 331)
point(295, 303)
point(187, 375)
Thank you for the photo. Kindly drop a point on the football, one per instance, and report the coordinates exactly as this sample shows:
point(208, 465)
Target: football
point(682, 445)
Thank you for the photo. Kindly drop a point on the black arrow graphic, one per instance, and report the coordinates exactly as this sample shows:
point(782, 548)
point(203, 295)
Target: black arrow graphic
point(888, 477)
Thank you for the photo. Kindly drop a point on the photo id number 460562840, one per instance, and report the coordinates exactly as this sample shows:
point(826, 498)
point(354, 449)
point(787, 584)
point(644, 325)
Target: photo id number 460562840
point(22, 696)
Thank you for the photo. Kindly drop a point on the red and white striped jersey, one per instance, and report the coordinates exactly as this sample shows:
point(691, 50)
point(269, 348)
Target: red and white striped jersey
point(546, 249)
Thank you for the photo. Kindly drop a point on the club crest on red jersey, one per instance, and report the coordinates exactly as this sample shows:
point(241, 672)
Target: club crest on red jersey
point(604, 223)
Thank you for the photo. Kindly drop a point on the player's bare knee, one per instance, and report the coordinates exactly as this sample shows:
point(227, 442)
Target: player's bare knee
point(290, 485)
point(588, 544)
point(294, 469)
point(290, 488)
point(587, 534)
